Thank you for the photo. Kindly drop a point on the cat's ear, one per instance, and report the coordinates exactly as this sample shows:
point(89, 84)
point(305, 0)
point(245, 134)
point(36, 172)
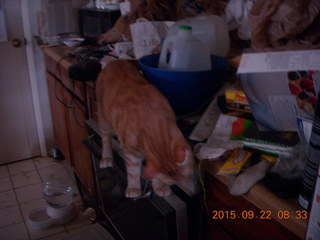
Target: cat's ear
point(150, 171)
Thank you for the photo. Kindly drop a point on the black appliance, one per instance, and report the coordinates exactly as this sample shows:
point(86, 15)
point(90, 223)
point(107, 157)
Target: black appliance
point(176, 217)
point(93, 22)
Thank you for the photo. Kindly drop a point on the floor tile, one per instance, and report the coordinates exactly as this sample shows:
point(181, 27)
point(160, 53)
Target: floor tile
point(78, 221)
point(90, 230)
point(8, 199)
point(29, 193)
point(21, 167)
point(26, 178)
point(14, 232)
point(56, 169)
point(5, 184)
point(10, 215)
point(4, 171)
point(38, 234)
point(43, 162)
point(58, 236)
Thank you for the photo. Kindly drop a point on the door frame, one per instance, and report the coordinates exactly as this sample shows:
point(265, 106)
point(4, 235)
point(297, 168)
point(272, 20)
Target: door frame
point(28, 34)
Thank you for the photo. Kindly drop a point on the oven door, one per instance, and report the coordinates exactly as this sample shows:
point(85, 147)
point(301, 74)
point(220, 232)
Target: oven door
point(144, 218)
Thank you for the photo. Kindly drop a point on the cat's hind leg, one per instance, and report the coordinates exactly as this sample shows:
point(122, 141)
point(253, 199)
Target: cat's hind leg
point(106, 136)
point(107, 159)
point(133, 164)
point(160, 188)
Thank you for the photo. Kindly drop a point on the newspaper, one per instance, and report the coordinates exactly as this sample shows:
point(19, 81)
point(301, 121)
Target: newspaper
point(209, 119)
point(219, 140)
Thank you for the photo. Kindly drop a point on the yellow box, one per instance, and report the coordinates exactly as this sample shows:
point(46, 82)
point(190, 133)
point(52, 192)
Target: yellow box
point(235, 161)
point(236, 100)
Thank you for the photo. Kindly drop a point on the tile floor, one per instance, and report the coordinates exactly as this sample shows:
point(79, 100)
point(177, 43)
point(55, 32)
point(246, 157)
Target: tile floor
point(21, 191)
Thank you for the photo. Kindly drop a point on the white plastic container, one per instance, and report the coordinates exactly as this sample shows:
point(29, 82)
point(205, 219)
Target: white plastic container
point(108, 4)
point(57, 191)
point(187, 53)
point(211, 30)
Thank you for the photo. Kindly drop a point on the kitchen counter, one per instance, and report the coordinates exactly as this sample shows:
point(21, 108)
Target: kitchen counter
point(62, 54)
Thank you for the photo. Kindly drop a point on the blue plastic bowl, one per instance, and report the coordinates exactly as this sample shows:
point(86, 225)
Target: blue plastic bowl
point(185, 91)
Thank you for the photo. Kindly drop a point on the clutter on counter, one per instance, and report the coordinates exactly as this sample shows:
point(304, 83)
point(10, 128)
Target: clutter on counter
point(107, 4)
point(73, 42)
point(301, 21)
point(274, 83)
point(234, 163)
point(148, 35)
point(236, 100)
point(312, 162)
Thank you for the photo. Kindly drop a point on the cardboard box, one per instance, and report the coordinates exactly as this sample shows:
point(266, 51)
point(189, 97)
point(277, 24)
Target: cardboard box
point(281, 87)
point(236, 100)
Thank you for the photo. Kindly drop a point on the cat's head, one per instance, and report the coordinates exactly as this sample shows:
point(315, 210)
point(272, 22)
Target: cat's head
point(175, 167)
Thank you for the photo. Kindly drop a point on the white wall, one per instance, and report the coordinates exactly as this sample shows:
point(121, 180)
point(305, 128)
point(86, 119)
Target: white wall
point(41, 78)
point(37, 74)
point(30, 10)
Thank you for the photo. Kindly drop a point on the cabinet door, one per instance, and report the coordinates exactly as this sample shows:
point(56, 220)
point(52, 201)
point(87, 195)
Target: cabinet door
point(80, 155)
point(58, 113)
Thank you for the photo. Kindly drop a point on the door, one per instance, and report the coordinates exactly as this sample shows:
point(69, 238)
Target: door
point(18, 132)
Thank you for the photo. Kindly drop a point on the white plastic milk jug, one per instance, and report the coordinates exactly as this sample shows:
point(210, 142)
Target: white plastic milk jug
point(211, 30)
point(187, 53)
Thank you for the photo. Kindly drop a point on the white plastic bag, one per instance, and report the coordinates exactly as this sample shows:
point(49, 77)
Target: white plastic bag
point(236, 15)
point(147, 35)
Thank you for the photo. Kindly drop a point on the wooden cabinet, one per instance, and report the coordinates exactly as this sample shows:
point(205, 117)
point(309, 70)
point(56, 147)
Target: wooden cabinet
point(58, 114)
point(242, 227)
point(80, 156)
point(69, 110)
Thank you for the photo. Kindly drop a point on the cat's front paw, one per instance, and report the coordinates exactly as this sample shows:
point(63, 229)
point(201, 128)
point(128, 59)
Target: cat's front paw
point(163, 190)
point(105, 162)
point(133, 192)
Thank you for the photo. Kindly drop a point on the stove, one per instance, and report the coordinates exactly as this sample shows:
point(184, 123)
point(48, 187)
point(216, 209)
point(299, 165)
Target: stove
point(176, 217)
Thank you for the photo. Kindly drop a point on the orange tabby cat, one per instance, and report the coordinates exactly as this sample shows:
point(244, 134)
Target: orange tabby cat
point(132, 109)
